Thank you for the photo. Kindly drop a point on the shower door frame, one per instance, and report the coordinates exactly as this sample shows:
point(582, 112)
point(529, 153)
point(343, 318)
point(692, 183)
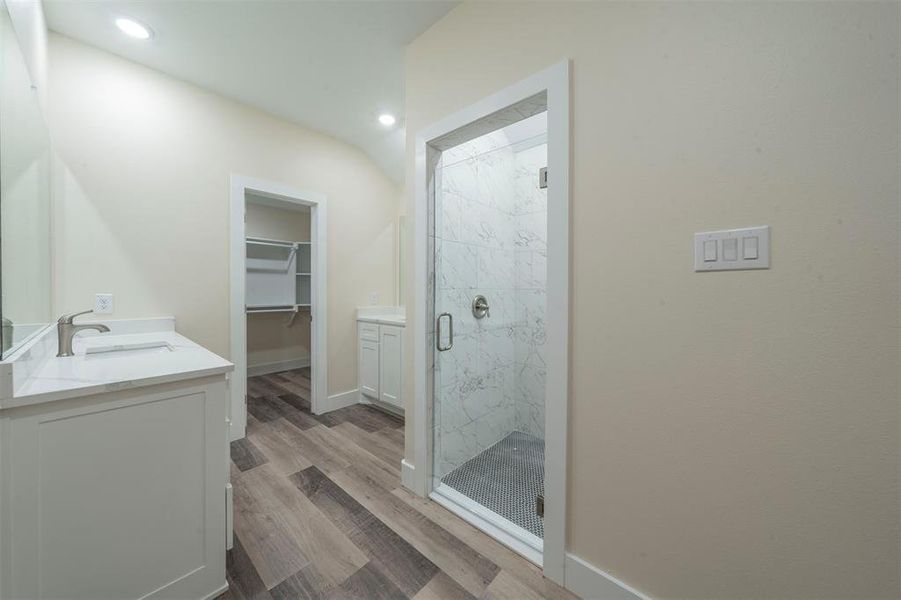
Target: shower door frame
point(555, 82)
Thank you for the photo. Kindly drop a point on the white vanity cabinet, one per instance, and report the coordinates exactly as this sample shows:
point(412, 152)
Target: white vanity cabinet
point(118, 495)
point(391, 340)
point(369, 368)
point(381, 363)
point(114, 470)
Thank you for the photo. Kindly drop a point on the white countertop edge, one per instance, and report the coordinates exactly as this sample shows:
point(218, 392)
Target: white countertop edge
point(382, 315)
point(396, 321)
point(117, 386)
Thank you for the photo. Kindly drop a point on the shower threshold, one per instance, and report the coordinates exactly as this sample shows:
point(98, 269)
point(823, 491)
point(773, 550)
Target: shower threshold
point(496, 491)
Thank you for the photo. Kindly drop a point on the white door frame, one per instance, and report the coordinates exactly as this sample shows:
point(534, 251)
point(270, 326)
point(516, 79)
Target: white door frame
point(556, 82)
point(286, 196)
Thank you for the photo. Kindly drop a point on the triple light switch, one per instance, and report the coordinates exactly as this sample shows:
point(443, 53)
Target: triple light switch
point(733, 249)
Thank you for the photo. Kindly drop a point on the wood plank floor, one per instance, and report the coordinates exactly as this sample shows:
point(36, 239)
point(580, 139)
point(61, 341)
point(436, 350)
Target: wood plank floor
point(320, 513)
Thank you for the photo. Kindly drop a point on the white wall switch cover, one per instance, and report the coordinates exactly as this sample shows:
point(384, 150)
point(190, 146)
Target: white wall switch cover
point(103, 304)
point(733, 249)
point(373, 298)
point(749, 246)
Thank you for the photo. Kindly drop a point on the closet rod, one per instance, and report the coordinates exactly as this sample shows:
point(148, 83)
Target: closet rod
point(291, 245)
point(272, 308)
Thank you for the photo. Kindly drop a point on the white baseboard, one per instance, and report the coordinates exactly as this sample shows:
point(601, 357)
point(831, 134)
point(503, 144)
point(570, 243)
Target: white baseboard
point(277, 367)
point(407, 474)
point(590, 583)
point(394, 410)
point(340, 401)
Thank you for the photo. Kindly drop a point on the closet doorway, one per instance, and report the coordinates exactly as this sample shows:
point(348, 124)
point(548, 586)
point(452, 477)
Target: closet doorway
point(278, 288)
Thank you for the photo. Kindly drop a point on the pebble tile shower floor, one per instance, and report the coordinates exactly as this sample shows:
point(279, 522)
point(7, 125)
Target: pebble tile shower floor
point(506, 478)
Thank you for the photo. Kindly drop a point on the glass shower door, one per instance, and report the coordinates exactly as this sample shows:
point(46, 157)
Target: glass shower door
point(488, 449)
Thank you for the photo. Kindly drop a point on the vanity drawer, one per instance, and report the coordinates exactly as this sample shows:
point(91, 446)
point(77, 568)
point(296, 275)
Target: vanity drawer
point(369, 332)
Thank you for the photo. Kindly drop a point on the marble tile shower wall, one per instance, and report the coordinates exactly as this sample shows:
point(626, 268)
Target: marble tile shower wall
point(475, 254)
point(489, 239)
point(530, 213)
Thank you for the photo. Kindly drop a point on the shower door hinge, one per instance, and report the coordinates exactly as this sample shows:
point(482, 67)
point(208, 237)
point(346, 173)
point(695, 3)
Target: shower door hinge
point(542, 178)
point(539, 505)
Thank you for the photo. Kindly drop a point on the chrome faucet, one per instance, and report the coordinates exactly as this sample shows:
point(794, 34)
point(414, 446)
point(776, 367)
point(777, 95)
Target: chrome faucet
point(66, 330)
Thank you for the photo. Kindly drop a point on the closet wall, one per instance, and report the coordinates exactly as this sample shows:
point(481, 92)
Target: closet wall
point(272, 337)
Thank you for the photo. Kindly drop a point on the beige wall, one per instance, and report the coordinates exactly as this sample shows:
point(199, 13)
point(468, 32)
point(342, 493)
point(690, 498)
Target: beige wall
point(143, 192)
point(275, 223)
point(733, 434)
point(277, 337)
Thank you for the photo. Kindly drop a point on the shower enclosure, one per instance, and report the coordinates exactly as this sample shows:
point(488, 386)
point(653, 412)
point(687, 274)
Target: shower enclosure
point(488, 295)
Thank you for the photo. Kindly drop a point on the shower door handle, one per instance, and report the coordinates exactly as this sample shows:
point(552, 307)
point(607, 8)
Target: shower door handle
point(450, 332)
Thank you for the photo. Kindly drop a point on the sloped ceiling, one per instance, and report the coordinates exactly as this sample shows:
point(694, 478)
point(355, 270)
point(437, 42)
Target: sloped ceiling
point(329, 66)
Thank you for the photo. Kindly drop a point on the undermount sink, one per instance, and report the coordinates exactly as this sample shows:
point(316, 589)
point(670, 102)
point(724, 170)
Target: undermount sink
point(129, 350)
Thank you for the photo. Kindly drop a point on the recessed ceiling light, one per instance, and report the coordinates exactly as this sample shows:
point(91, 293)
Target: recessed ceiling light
point(387, 120)
point(133, 28)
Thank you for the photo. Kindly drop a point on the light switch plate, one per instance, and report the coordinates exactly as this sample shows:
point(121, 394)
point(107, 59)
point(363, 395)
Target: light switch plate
point(373, 298)
point(736, 249)
point(103, 304)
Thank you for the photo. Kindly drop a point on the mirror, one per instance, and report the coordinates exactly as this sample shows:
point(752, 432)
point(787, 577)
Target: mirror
point(24, 199)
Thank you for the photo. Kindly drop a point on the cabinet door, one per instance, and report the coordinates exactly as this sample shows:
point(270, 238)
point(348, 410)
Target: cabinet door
point(103, 509)
point(390, 346)
point(369, 368)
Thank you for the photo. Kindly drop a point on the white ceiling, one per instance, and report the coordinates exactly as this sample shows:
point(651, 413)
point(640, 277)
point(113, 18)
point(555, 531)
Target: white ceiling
point(332, 66)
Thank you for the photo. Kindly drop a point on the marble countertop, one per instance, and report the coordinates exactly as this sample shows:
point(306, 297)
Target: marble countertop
point(137, 360)
point(382, 315)
point(398, 320)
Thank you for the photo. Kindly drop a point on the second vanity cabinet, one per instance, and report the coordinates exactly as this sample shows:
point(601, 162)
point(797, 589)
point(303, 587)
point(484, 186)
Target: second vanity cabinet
point(381, 363)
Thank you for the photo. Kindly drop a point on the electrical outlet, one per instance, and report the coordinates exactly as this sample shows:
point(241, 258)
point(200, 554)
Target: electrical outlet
point(103, 304)
point(373, 298)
